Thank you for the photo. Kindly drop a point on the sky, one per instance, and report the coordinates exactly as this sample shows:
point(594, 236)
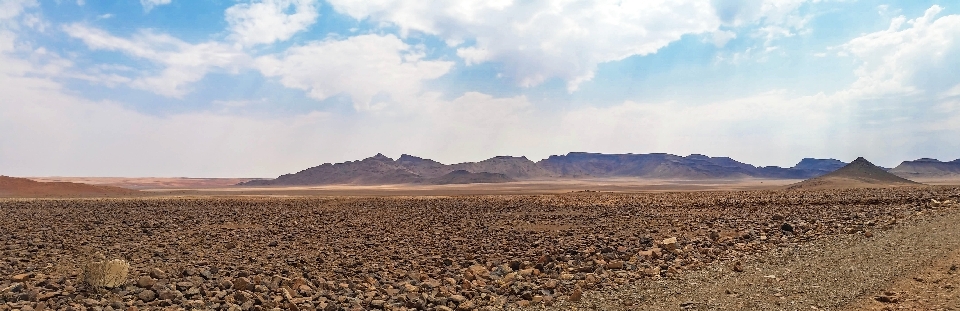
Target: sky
point(224, 88)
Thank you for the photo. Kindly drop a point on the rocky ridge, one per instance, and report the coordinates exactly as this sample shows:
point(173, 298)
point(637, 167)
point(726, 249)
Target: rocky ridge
point(380, 169)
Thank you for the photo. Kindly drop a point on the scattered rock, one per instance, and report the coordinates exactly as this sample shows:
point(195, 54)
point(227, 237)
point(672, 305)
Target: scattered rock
point(887, 298)
point(147, 295)
point(21, 277)
point(785, 227)
point(576, 295)
point(146, 282)
point(669, 243)
point(157, 274)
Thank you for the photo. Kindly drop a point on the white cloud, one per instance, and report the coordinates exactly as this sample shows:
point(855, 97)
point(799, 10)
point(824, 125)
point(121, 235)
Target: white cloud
point(912, 56)
point(362, 66)
point(540, 40)
point(183, 62)
point(535, 41)
point(721, 37)
point(12, 8)
point(150, 4)
point(267, 21)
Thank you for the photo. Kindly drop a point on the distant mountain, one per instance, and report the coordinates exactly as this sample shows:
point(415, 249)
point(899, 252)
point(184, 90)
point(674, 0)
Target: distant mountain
point(380, 169)
point(22, 187)
point(858, 174)
point(823, 165)
point(408, 169)
point(668, 166)
point(465, 177)
point(655, 165)
point(927, 168)
point(374, 170)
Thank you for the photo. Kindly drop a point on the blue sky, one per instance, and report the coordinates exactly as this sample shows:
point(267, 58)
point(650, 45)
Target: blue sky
point(222, 88)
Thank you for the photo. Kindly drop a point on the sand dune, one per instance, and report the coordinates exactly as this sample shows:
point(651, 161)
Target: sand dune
point(22, 187)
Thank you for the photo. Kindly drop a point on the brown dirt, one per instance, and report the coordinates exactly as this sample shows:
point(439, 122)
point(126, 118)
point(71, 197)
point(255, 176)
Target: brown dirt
point(465, 252)
point(933, 287)
point(22, 187)
point(837, 272)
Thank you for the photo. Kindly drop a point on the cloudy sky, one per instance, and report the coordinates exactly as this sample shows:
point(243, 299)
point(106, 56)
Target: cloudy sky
point(224, 88)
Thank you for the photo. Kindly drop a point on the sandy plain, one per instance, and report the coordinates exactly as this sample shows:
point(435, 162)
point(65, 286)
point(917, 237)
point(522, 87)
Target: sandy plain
point(226, 186)
point(587, 244)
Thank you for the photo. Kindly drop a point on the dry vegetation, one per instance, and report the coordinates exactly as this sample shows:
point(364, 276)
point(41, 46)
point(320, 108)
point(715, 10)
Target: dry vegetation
point(434, 253)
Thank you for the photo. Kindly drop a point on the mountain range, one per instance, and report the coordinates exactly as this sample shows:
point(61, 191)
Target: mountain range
point(408, 169)
point(380, 169)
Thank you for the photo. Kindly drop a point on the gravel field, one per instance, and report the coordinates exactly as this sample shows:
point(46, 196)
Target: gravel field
point(467, 252)
point(844, 272)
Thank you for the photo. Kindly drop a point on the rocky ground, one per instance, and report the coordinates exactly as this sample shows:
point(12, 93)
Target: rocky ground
point(433, 253)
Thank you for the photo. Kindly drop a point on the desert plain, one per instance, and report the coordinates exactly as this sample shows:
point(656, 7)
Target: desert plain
point(591, 245)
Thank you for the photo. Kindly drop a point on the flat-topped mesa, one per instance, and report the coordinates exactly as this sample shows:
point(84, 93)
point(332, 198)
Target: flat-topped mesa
point(927, 168)
point(828, 165)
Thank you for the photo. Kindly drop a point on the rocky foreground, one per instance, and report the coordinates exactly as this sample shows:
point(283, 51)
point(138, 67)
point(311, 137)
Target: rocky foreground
point(430, 253)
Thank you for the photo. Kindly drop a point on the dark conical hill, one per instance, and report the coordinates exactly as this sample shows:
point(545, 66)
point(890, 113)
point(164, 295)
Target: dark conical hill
point(858, 174)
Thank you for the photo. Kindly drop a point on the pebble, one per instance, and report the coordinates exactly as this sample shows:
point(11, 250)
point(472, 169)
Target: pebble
point(147, 295)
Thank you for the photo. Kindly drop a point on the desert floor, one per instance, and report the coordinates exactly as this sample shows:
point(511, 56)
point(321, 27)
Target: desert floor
point(225, 186)
point(439, 248)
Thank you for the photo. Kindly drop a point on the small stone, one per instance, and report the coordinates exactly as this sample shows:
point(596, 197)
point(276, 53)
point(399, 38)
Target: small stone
point(189, 272)
point(157, 273)
point(147, 295)
point(376, 303)
point(466, 306)
point(669, 243)
point(576, 295)
point(887, 298)
point(409, 288)
point(146, 282)
point(273, 244)
point(21, 277)
point(785, 227)
point(168, 294)
point(550, 284)
point(225, 284)
point(15, 288)
point(868, 234)
point(479, 271)
point(242, 283)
